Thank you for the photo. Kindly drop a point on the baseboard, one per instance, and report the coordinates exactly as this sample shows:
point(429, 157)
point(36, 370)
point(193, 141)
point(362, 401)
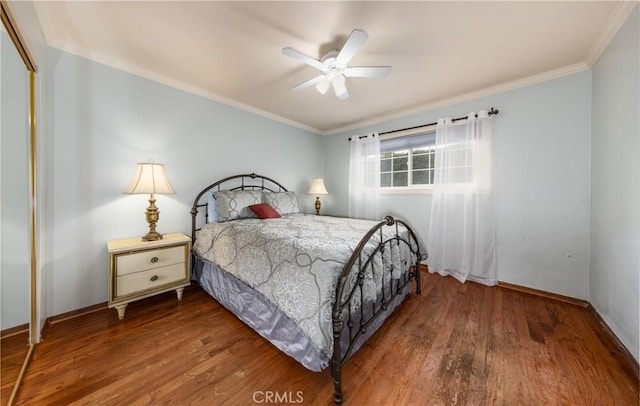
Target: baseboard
point(70, 315)
point(623, 354)
point(10, 332)
point(621, 350)
point(542, 293)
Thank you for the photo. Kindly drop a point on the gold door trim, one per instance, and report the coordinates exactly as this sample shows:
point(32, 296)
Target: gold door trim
point(25, 53)
point(16, 36)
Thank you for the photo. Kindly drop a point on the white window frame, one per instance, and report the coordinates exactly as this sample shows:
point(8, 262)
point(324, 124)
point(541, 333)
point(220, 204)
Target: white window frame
point(411, 189)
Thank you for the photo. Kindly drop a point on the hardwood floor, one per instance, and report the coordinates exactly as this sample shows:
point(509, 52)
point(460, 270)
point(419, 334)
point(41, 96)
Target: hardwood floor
point(13, 350)
point(462, 344)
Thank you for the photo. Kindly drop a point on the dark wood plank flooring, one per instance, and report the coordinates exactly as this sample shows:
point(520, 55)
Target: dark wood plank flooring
point(456, 344)
point(13, 350)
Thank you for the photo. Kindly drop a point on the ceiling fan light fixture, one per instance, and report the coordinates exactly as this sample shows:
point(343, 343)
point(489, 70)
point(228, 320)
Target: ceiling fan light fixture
point(323, 85)
point(340, 87)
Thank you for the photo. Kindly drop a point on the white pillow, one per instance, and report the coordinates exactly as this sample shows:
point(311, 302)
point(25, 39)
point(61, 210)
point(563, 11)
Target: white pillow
point(284, 202)
point(234, 204)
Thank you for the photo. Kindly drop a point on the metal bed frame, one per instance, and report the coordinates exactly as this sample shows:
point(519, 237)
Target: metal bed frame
point(349, 289)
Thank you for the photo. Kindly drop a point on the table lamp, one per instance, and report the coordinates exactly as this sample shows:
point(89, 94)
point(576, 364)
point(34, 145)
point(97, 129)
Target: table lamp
point(317, 188)
point(150, 178)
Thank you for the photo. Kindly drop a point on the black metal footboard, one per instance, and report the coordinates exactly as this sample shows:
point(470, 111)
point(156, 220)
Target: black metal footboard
point(352, 315)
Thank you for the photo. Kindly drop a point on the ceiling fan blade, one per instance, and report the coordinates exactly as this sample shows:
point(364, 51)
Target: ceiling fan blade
point(367, 71)
point(353, 44)
point(340, 87)
point(309, 83)
point(303, 58)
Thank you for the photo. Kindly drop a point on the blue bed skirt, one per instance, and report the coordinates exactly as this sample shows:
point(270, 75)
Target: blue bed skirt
point(258, 312)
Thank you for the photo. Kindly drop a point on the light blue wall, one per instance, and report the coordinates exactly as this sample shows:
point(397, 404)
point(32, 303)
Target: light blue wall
point(102, 122)
point(615, 189)
point(541, 164)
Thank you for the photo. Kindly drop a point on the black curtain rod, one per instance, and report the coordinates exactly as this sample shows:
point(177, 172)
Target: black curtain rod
point(491, 112)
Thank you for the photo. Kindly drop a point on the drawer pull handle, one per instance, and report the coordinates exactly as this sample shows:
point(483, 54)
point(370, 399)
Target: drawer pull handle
point(154, 260)
point(154, 278)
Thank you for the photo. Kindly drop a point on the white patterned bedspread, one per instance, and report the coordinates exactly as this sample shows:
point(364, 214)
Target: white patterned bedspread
point(295, 262)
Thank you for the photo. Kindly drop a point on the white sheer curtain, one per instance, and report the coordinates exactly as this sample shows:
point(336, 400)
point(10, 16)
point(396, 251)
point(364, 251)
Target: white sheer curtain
point(461, 237)
point(364, 177)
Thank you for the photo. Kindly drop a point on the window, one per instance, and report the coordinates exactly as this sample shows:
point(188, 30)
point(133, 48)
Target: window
point(408, 161)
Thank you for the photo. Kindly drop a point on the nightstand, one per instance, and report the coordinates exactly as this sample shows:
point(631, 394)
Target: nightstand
point(139, 269)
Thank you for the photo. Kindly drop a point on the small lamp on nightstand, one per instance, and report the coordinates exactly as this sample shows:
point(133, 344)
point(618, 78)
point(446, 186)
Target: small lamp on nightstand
point(150, 178)
point(317, 188)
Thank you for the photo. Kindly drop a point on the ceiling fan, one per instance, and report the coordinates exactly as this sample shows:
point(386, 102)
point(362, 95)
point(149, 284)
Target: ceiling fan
point(333, 66)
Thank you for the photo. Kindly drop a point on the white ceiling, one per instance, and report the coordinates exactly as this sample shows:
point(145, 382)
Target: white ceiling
point(439, 51)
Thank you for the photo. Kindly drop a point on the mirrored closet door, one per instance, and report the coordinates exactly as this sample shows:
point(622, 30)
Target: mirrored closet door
point(17, 205)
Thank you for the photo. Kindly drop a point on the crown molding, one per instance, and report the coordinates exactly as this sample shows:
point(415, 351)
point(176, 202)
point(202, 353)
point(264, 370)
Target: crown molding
point(617, 18)
point(176, 84)
point(520, 83)
point(615, 21)
point(466, 97)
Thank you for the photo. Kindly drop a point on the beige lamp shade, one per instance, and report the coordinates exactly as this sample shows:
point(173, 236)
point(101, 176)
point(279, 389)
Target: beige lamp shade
point(317, 187)
point(150, 178)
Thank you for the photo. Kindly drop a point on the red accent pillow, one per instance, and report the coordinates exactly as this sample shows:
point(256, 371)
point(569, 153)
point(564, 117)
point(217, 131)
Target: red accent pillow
point(264, 211)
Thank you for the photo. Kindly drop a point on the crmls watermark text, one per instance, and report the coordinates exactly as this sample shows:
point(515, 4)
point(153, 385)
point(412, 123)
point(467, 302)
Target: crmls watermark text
point(269, 396)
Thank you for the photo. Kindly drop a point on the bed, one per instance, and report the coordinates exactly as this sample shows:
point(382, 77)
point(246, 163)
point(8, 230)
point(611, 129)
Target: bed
point(316, 287)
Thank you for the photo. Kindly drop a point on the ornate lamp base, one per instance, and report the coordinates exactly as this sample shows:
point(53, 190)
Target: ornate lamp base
point(152, 236)
point(317, 205)
point(152, 215)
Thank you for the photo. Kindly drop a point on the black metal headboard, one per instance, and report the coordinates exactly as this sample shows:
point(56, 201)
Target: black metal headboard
point(249, 181)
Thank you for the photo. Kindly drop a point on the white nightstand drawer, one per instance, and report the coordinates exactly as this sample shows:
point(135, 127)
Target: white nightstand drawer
point(138, 261)
point(150, 279)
